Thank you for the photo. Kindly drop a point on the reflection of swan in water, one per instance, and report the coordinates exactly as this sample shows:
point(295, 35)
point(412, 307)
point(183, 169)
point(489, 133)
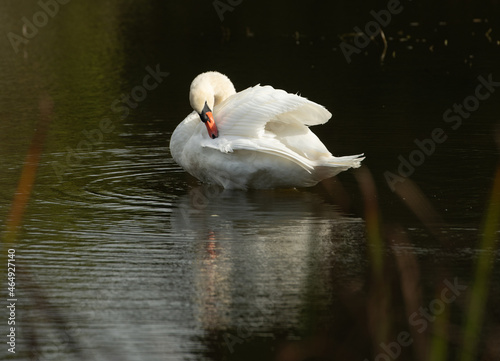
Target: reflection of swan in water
point(214, 209)
point(259, 253)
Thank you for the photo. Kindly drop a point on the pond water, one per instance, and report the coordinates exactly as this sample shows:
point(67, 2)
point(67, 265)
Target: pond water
point(121, 255)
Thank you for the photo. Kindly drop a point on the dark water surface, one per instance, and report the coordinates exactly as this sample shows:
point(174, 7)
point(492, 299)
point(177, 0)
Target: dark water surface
point(123, 256)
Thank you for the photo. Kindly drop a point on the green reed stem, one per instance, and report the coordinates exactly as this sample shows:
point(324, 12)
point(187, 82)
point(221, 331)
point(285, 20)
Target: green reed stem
point(484, 266)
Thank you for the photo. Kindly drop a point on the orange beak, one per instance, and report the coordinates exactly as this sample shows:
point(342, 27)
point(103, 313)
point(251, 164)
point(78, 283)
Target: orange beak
point(213, 132)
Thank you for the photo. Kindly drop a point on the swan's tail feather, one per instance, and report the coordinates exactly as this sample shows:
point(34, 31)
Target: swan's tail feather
point(335, 165)
point(348, 161)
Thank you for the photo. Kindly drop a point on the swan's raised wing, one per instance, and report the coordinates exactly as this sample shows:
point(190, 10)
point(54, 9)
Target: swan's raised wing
point(246, 114)
point(266, 120)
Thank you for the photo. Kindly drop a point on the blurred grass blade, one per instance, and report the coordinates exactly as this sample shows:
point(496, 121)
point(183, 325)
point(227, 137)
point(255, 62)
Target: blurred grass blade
point(372, 218)
point(378, 303)
point(410, 281)
point(485, 261)
point(439, 343)
point(419, 204)
point(28, 174)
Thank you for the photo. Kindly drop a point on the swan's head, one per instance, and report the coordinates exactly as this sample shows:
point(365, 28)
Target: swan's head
point(207, 90)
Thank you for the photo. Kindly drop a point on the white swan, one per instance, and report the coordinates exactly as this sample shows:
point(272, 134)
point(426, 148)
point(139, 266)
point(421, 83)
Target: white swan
point(257, 138)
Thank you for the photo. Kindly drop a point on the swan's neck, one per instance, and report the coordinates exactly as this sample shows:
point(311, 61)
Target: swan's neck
point(212, 87)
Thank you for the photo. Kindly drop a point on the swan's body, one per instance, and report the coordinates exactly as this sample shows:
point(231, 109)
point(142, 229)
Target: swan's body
point(260, 138)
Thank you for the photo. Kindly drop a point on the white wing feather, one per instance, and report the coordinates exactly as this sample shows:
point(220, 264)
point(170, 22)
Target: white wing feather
point(270, 121)
point(246, 113)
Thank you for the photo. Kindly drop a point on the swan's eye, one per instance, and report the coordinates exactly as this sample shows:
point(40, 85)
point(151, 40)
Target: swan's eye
point(203, 117)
